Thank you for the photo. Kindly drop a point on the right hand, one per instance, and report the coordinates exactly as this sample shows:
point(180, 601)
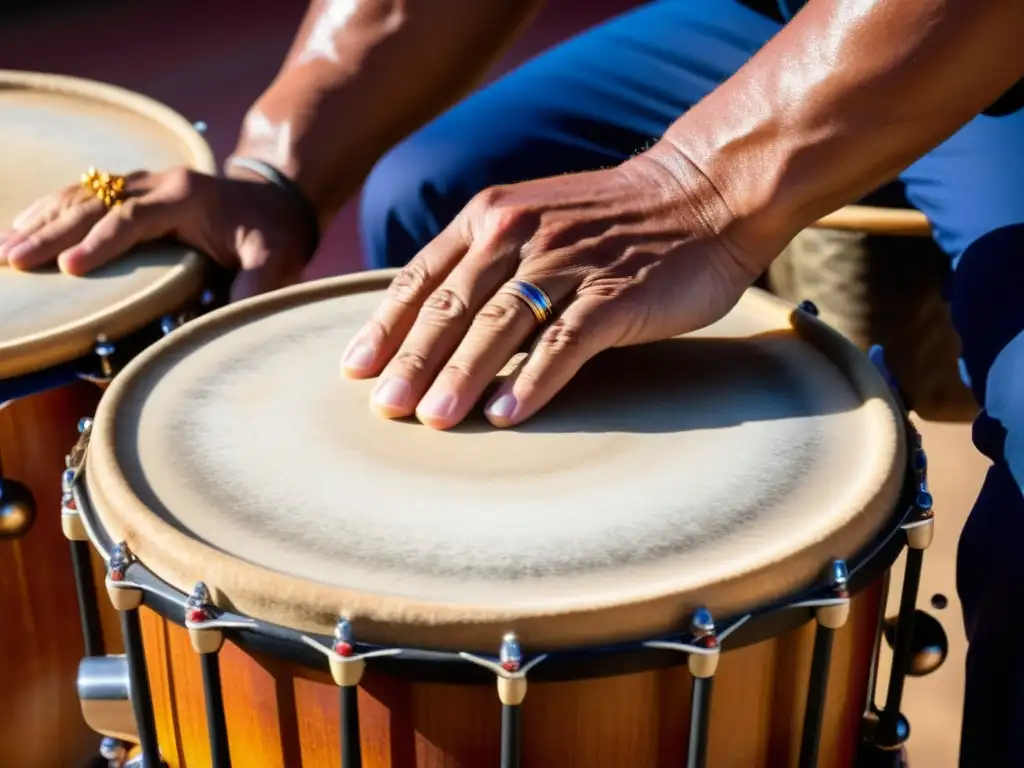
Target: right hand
point(242, 222)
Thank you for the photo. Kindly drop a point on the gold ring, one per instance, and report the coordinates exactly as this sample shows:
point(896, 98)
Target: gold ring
point(534, 297)
point(108, 188)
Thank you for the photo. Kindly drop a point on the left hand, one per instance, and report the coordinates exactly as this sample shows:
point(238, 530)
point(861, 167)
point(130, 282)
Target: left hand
point(641, 252)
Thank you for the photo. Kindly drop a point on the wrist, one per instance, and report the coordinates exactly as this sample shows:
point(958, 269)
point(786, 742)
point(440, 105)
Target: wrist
point(754, 235)
point(283, 195)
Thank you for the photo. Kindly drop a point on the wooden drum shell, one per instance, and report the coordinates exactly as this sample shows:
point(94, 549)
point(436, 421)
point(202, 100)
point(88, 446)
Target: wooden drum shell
point(41, 644)
point(279, 714)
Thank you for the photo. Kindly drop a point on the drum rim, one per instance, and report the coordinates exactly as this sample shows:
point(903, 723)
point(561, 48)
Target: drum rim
point(451, 666)
point(180, 283)
point(390, 620)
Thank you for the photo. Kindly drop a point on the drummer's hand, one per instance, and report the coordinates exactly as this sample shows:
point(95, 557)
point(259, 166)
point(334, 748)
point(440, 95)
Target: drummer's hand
point(641, 252)
point(243, 223)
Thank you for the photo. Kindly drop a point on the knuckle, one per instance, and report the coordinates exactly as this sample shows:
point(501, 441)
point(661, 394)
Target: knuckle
point(443, 305)
point(128, 211)
point(410, 362)
point(561, 337)
point(496, 218)
point(180, 182)
point(456, 371)
point(500, 315)
point(487, 199)
point(409, 283)
point(506, 222)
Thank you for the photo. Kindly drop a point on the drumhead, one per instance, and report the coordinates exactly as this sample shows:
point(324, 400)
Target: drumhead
point(725, 468)
point(52, 130)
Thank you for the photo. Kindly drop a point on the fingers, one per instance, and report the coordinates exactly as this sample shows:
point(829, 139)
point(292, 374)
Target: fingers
point(377, 341)
point(496, 333)
point(29, 220)
point(579, 333)
point(136, 220)
point(32, 247)
point(32, 216)
point(76, 228)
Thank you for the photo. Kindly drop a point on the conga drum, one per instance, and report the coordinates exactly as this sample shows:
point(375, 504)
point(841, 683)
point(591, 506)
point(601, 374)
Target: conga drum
point(59, 337)
point(681, 561)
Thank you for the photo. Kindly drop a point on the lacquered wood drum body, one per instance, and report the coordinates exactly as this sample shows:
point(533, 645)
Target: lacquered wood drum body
point(280, 714)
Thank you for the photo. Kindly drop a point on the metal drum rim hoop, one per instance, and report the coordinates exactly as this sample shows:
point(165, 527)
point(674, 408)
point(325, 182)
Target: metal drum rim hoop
point(73, 339)
point(734, 631)
point(110, 491)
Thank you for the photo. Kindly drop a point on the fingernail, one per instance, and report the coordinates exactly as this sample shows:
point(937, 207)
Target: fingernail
point(392, 393)
point(8, 240)
point(436, 405)
point(20, 250)
point(66, 260)
point(503, 407)
point(359, 357)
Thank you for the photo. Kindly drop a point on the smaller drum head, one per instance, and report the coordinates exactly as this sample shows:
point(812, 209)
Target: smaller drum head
point(726, 468)
point(53, 129)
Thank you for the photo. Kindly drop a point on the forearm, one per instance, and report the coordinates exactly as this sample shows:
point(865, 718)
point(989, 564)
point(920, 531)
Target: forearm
point(362, 74)
point(840, 101)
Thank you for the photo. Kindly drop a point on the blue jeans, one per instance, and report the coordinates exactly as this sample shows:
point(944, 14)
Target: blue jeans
point(605, 94)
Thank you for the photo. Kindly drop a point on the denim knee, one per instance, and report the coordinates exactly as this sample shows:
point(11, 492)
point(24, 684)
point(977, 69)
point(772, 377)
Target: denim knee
point(411, 194)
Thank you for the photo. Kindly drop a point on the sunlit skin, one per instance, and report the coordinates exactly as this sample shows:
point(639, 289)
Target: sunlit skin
point(324, 121)
point(843, 98)
point(849, 92)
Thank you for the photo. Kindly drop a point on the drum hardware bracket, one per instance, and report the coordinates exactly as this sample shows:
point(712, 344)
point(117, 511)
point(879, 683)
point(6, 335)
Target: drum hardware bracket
point(920, 529)
point(171, 322)
point(204, 625)
point(73, 526)
point(126, 596)
point(704, 651)
point(104, 692)
point(509, 669)
point(892, 729)
point(105, 351)
point(205, 632)
point(116, 755)
point(809, 307)
point(831, 614)
point(511, 674)
point(113, 751)
point(702, 660)
point(75, 460)
point(346, 664)
point(70, 521)
point(876, 354)
point(347, 668)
